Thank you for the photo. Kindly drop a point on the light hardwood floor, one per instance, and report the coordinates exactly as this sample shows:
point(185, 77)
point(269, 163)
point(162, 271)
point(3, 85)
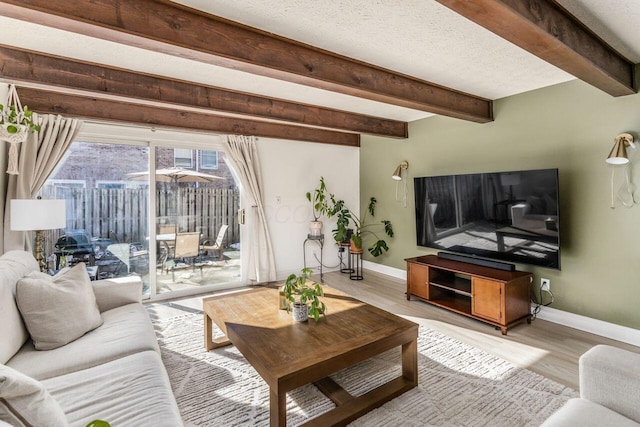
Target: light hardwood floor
point(547, 348)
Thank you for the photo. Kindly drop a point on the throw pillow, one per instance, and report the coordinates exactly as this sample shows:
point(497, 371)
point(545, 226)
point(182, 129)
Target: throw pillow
point(25, 402)
point(59, 309)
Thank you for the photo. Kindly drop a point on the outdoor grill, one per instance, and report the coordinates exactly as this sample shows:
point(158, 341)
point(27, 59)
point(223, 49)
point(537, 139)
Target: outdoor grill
point(76, 246)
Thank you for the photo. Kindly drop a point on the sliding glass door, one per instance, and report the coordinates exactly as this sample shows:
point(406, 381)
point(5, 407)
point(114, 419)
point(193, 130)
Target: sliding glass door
point(165, 211)
point(107, 212)
point(197, 231)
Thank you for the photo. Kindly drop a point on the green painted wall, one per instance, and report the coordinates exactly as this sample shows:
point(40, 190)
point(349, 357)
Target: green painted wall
point(570, 127)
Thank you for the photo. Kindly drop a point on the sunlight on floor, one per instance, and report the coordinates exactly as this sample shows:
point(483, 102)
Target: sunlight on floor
point(522, 355)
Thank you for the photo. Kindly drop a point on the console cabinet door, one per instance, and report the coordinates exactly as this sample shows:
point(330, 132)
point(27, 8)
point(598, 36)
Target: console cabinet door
point(418, 280)
point(487, 299)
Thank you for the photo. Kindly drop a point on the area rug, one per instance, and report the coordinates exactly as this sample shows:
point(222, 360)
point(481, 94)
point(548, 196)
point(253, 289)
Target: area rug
point(459, 385)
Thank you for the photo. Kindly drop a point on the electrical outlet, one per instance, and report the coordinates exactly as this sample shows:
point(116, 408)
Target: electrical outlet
point(545, 285)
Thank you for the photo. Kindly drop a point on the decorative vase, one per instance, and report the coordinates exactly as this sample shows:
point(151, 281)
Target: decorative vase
point(315, 228)
point(300, 312)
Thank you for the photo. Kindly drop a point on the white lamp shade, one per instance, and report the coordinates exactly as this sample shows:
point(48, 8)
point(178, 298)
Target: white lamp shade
point(37, 214)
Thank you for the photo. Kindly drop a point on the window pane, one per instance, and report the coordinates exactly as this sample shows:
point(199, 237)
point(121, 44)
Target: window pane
point(106, 208)
point(197, 232)
point(209, 159)
point(182, 157)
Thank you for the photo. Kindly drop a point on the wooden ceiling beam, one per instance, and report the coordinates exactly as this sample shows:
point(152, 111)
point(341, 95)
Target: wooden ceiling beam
point(547, 30)
point(21, 66)
point(43, 101)
point(180, 31)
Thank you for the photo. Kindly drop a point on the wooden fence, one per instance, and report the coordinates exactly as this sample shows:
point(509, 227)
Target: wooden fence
point(122, 215)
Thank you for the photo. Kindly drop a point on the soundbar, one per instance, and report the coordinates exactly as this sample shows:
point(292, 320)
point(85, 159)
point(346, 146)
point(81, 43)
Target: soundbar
point(477, 261)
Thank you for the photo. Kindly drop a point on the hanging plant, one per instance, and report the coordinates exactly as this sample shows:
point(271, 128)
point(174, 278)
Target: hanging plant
point(13, 120)
point(15, 124)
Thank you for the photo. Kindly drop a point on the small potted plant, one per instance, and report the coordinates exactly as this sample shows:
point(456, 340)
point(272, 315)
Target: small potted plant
point(15, 121)
point(15, 125)
point(322, 203)
point(304, 297)
point(361, 229)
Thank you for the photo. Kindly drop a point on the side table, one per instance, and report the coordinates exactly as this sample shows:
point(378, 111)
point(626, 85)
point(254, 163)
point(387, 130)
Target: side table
point(345, 266)
point(355, 263)
point(318, 239)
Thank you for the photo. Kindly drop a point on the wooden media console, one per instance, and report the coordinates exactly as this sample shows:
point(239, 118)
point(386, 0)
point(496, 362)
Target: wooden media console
point(497, 297)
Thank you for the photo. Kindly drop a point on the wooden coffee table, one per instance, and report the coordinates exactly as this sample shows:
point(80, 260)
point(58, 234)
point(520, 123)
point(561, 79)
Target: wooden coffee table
point(288, 355)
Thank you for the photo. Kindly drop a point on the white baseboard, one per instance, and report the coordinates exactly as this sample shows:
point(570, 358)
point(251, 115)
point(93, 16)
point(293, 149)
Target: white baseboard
point(591, 325)
point(565, 318)
point(385, 269)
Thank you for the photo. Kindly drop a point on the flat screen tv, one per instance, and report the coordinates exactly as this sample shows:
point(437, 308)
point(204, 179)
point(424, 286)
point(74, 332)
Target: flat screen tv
point(505, 216)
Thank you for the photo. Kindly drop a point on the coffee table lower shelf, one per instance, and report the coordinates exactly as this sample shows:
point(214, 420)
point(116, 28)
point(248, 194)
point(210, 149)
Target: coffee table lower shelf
point(349, 408)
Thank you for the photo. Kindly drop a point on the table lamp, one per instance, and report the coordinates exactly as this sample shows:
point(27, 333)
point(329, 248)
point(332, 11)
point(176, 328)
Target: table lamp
point(38, 215)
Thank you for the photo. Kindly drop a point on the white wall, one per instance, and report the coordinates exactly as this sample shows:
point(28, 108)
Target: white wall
point(290, 169)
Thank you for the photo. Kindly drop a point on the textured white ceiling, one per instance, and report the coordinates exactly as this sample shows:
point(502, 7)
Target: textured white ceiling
point(416, 37)
point(420, 38)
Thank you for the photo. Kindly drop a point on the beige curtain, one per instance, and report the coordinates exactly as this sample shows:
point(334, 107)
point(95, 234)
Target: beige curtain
point(242, 152)
point(38, 157)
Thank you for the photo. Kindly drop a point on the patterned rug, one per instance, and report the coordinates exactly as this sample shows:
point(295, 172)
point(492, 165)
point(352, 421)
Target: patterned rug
point(459, 385)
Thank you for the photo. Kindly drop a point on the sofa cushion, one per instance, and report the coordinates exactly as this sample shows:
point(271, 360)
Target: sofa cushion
point(25, 401)
point(126, 330)
point(59, 309)
point(132, 391)
point(13, 266)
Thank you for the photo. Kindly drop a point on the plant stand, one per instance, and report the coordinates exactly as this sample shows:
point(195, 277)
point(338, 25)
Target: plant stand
point(344, 267)
point(355, 263)
point(311, 238)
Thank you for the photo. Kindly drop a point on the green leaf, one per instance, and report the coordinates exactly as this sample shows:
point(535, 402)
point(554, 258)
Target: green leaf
point(388, 228)
point(378, 248)
point(372, 206)
point(12, 129)
point(357, 240)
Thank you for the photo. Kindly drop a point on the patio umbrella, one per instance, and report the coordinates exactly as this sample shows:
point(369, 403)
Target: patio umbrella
point(175, 175)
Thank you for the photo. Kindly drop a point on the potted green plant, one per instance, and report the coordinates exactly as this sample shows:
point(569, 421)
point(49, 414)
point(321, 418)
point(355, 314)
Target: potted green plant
point(304, 298)
point(14, 121)
point(15, 125)
point(322, 203)
point(361, 228)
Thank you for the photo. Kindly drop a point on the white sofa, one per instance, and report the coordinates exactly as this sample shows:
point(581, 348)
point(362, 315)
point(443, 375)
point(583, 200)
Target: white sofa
point(609, 391)
point(113, 372)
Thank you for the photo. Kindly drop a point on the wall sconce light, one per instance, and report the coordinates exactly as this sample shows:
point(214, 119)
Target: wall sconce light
point(618, 156)
point(397, 175)
point(400, 174)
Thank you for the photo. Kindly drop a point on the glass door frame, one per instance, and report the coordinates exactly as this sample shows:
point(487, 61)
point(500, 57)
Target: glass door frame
point(212, 143)
point(152, 138)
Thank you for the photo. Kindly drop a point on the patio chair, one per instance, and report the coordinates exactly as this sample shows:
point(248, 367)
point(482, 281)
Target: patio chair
point(219, 243)
point(187, 247)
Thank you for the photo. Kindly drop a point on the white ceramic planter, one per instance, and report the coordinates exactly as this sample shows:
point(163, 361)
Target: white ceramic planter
point(300, 312)
point(315, 228)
